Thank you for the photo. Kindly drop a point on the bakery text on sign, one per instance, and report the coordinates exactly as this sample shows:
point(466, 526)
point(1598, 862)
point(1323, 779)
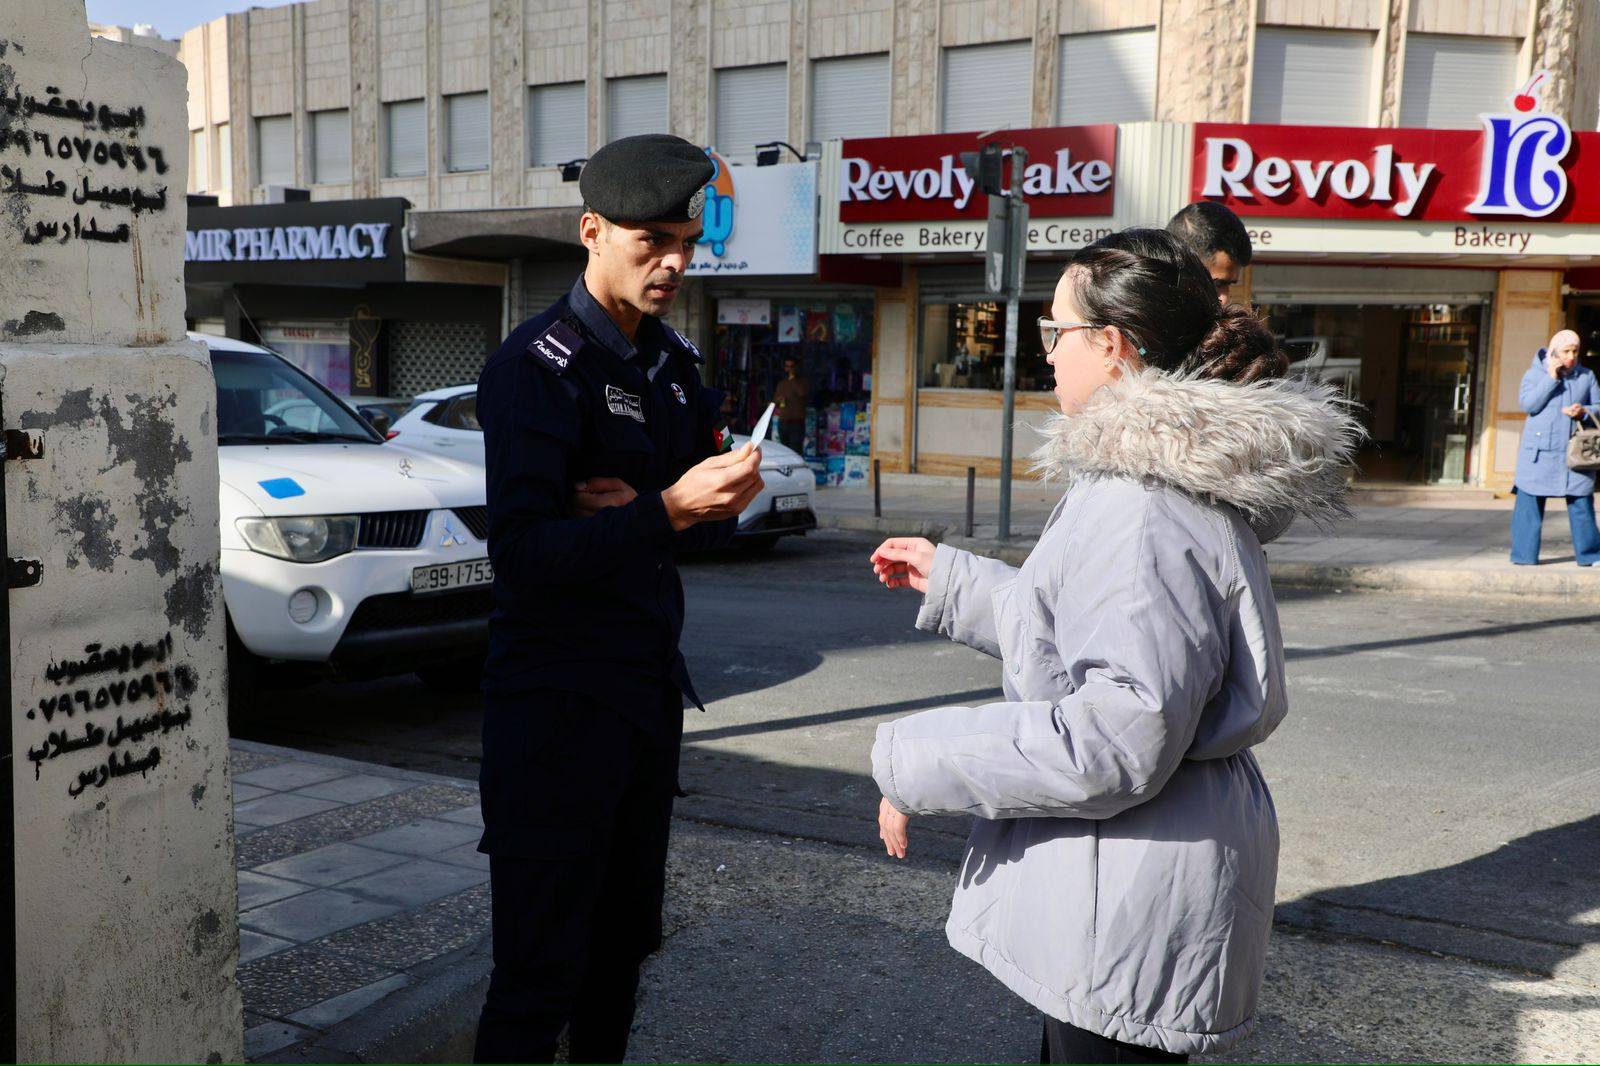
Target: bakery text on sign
point(1520, 164)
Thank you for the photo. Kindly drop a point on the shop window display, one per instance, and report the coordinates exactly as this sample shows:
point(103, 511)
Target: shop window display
point(832, 343)
point(963, 347)
point(1413, 369)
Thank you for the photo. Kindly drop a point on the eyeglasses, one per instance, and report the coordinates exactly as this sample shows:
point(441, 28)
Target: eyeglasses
point(1050, 331)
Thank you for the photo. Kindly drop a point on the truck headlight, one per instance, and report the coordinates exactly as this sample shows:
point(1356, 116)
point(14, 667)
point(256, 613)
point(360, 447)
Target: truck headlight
point(307, 539)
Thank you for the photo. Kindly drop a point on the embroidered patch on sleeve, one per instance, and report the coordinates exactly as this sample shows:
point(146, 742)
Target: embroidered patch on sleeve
point(556, 346)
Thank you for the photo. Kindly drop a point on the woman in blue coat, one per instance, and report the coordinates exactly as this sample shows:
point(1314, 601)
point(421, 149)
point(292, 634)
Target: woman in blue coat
point(1559, 396)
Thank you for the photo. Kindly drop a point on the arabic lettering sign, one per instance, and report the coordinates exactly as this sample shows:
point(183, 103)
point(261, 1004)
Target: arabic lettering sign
point(759, 220)
point(1522, 164)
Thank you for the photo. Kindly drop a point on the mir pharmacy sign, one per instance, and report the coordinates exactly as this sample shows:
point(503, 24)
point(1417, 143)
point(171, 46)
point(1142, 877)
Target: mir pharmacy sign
point(300, 243)
point(911, 194)
point(1521, 166)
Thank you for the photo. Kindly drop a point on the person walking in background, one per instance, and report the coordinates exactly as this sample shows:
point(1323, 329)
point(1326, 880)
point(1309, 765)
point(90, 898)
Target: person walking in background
point(1216, 235)
point(791, 396)
point(1559, 395)
point(1120, 874)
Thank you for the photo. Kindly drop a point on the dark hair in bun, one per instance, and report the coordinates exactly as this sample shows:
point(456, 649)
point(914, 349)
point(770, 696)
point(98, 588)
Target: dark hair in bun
point(1158, 293)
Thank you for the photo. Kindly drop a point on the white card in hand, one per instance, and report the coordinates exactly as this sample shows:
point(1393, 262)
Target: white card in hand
point(759, 434)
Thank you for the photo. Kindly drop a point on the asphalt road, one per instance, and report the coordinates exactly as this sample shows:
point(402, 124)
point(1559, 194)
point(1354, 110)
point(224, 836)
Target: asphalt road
point(1437, 782)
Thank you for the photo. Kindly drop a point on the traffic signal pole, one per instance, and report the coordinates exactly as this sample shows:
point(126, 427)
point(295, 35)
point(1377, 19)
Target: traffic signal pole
point(1015, 268)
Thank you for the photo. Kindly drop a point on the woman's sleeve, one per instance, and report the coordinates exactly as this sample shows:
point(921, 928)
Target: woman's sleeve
point(959, 600)
point(1144, 650)
point(1538, 389)
point(1592, 405)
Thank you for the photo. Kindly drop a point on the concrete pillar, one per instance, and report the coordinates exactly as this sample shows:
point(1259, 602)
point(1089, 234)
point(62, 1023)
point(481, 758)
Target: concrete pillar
point(366, 114)
point(689, 79)
point(1564, 37)
point(1204, 73)
point(914, 68)
point(1392, 57)
point(508, 103)
point(125, 937)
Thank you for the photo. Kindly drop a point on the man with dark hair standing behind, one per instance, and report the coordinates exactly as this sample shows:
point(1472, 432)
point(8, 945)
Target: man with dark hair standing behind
point(1216, 235)
point(602, 457)
point(791, 397)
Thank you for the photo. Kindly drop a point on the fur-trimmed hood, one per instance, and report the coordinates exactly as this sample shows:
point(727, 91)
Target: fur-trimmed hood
point(1272, 449)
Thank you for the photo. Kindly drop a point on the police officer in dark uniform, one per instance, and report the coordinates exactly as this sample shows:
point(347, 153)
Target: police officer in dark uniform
point(602, 458)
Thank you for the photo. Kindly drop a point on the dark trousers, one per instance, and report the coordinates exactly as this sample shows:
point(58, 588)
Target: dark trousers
point(792, 435)
point(577, 804)
point(1068, 1043)
point(1527, 525)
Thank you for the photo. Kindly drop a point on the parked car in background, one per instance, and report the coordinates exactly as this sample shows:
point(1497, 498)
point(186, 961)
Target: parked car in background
point(445, 422)
point(381, 411)
point(340, 553)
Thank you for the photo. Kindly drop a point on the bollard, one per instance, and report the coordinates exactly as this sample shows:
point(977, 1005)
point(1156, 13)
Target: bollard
point(972, 489)
point(877, 495)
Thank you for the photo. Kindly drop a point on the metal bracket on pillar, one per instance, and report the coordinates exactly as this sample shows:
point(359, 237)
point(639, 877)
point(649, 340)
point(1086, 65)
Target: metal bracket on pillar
point(23, 573)
point(21, 444)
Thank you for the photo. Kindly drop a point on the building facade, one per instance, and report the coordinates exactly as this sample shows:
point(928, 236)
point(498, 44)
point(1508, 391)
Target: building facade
point(467, 108)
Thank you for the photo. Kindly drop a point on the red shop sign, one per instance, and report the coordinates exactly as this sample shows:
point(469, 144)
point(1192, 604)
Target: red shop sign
point(1519, 165)
point(1070, 173)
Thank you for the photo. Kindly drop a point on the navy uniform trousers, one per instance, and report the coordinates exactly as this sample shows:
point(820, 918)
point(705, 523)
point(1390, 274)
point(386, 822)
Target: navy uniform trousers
point(579, 908)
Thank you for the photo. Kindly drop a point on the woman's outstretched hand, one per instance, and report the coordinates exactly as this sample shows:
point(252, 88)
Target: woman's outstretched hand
point(902, 562)
point(892, 827)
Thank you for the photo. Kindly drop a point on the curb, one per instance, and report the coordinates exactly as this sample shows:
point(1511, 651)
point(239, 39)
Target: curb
point(1541, 582)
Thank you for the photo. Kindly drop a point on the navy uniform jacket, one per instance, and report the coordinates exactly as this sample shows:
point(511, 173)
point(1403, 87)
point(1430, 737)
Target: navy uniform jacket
point(591, 605)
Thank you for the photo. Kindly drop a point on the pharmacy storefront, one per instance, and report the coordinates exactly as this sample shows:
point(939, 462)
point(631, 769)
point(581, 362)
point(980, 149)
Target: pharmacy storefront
point(330, 287)
point(1417, 270)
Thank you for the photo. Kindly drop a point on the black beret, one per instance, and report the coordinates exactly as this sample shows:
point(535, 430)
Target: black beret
point(654, 177)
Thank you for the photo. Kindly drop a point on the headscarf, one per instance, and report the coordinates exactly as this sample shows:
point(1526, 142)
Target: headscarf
point(1563, 336)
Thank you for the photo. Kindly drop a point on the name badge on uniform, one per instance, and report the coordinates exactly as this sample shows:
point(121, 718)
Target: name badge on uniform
point(624, 403)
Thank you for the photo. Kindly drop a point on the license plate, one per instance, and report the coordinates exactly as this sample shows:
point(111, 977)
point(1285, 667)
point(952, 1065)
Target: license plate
point(790, 503)
point(446, 576)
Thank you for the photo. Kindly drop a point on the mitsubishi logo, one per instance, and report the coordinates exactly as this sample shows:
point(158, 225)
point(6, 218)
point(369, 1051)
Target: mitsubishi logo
point(448, 537)
point(405, 468)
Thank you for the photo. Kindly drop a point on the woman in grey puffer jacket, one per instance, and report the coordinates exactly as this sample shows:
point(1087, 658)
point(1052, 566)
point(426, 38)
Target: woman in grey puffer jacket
point(1121, 871)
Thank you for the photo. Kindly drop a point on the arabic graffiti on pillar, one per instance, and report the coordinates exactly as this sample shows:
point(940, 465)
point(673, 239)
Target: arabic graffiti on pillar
point(112, 700)
point(50, 146)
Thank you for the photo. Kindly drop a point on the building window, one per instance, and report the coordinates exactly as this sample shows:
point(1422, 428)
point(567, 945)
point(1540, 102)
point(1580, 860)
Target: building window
point(963, 346)
point(636, 105)
point(224, 156)
point(198, 175)
point(466, 122)
point(752, 107)
point(558, 123)
point(275, 150)
point(406, 138)
point(850, 97)
point(1312, 77)
point(1106, 77)
point(330, 146)
point(1450, 80)
point(987, 87)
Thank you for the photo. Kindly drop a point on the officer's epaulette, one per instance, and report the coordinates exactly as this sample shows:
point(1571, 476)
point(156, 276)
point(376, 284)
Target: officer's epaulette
point(556, 346)
point(686, 344)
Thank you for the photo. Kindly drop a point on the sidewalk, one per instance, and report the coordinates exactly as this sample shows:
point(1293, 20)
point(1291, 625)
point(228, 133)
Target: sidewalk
point(1454, 546)
point(363, 909)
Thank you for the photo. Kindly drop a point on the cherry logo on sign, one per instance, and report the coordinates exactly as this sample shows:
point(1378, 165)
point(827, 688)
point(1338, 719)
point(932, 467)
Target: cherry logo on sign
point(1525, 100)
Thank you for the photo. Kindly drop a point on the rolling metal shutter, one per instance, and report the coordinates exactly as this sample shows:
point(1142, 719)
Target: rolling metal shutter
point(558, 124)
point(406, 123)
point(1449, 80)
point(850, 97)
point(431, 355)
point(987, 87)
point(1312, 77)
point(752, 109)
point(1107, 77)
point(636, 105)
point(275, 150)
point(466, 119)
point(330, 146)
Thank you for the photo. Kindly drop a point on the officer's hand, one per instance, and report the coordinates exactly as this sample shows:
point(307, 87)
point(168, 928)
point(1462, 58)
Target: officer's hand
point(718, 488)
point(598, 493)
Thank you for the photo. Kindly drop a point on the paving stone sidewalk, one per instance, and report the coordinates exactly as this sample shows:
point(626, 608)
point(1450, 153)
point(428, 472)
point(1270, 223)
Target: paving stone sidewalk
point(1450, 546)
point(360, 887)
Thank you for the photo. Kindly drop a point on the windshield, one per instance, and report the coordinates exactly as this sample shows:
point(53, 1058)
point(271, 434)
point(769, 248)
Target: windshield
point(261, 399)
